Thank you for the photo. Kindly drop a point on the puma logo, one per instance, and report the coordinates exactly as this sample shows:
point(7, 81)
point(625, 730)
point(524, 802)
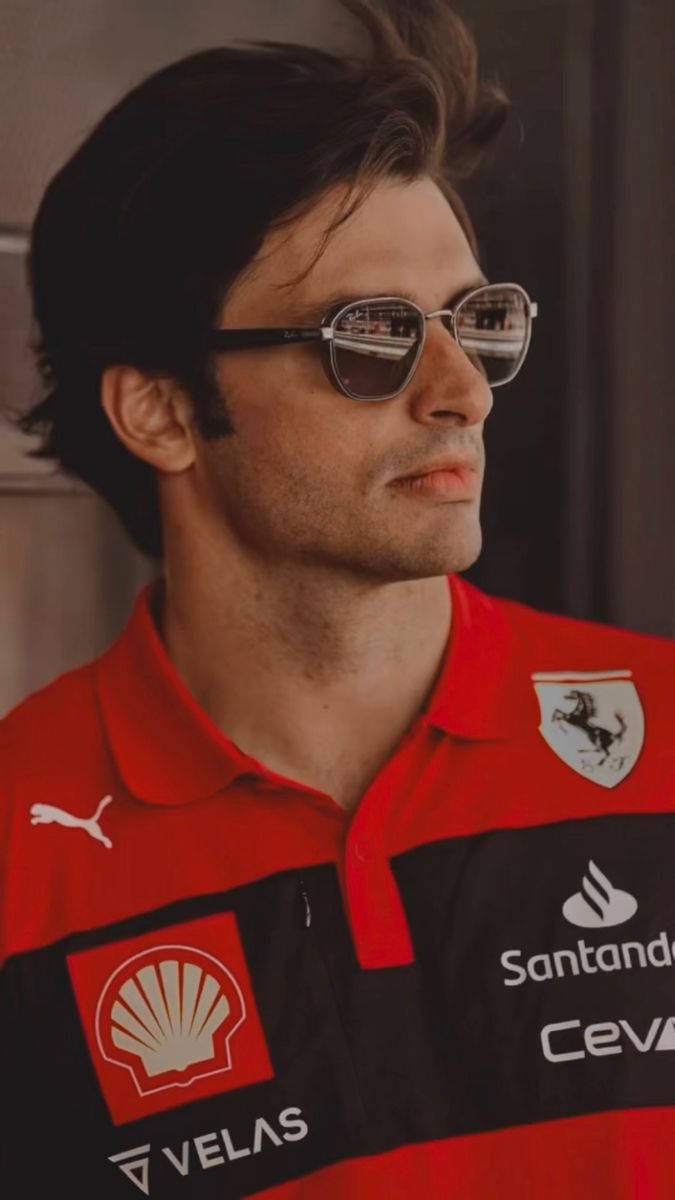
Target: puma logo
point(44, 814)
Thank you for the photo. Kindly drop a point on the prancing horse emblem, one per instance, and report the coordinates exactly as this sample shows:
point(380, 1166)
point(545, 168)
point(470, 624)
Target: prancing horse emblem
point(44, 814)
point(581, 716)
point(593, 721)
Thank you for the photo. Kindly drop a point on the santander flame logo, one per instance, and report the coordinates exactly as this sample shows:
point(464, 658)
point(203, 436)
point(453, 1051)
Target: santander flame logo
point(598, 902)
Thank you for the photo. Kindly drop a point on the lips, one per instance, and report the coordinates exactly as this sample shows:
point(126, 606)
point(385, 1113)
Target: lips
point(456, 465)
point(456, 479)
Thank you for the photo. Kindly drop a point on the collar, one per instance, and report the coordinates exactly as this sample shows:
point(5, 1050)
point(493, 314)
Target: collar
point(168, 751)
point(483, 689)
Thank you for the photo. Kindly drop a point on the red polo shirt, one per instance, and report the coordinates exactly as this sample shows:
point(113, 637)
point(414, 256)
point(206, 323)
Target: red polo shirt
point(219, 983)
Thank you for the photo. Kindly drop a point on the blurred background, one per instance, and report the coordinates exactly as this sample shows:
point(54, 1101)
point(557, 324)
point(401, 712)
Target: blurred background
point(576, 204)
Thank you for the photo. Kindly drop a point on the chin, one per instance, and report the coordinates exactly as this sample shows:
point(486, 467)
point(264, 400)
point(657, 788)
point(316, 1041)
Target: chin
point(449, 564)
point(449, 542)
point(449, 555)
point(466, 555)
point(396, 564)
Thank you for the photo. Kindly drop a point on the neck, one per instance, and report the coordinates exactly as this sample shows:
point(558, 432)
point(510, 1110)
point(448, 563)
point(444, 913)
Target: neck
point(328, 660)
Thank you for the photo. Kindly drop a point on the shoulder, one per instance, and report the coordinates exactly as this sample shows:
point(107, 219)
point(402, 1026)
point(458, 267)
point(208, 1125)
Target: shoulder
point(556, 637)
point(44, 715)
point(560, 653)
point(569, 673)
point(55, 771)
point(52, 737)
point(553, 632)
point(564, 657)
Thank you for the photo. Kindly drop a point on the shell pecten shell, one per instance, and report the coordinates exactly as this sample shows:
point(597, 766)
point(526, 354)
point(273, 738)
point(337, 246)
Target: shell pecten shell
point(167, 1015)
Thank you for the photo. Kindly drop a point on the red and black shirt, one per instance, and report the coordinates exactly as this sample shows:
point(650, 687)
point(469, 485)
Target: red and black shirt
point(218, 983)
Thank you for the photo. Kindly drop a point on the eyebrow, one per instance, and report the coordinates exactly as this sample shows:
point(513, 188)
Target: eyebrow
point(316, 309)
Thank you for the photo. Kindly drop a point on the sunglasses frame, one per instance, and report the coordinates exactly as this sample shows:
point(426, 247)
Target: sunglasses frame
point(246, 339)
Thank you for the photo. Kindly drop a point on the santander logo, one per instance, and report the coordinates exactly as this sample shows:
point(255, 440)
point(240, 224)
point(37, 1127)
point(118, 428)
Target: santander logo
point(598, 903)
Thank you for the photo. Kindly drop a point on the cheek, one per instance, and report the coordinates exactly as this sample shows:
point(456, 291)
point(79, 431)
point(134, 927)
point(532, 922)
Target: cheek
point(291, 424)
point(301, 450)
point(281, 487)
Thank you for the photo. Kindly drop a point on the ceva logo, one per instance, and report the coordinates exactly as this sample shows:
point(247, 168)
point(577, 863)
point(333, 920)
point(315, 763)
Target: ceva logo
point(564, 1041)
point(598, 903)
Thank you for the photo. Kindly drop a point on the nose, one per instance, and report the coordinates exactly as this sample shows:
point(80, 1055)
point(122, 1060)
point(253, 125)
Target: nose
point(447, 387)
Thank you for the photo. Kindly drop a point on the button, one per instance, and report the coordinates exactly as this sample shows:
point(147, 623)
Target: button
point(363, 851)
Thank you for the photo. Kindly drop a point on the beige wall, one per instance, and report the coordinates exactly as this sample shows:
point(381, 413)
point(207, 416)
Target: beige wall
point(67, 580)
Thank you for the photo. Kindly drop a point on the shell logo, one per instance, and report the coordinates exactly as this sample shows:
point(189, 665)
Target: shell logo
point(167, 1015)
point(170, 1016)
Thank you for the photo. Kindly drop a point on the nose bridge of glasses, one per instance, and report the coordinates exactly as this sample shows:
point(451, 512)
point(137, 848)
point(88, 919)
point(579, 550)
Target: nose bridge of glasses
point(440, 312)
point(458, 350)
point(448, 324)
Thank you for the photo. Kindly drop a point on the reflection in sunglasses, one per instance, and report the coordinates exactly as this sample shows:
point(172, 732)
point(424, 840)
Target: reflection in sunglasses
point(395, 347)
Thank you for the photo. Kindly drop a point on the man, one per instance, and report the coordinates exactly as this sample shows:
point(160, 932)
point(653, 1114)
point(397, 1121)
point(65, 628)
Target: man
point(333, 876)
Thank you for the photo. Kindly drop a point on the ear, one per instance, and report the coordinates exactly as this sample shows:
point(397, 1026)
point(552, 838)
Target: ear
point(151, 416)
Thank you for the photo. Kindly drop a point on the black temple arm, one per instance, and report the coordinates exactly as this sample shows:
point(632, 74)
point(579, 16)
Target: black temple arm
point(242, 339)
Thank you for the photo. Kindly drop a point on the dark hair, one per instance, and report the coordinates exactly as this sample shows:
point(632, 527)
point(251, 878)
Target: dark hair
point(142, 232)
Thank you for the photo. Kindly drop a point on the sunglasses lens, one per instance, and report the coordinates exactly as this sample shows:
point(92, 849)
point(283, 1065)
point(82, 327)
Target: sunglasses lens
point(375, 347)
point(493, 329)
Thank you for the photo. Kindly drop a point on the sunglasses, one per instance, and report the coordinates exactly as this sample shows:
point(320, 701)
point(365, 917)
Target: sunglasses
point(371, 348)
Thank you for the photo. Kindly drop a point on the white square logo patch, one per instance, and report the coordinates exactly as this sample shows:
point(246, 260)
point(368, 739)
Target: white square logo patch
point(593, 721)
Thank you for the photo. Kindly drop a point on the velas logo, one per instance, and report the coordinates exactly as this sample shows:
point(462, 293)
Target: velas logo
point(170, 1016)
point(598, 903)
point(217, 1148)
point(135, 1164)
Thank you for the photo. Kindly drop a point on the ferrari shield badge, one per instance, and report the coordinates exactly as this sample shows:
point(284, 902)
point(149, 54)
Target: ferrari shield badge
point(593, 720)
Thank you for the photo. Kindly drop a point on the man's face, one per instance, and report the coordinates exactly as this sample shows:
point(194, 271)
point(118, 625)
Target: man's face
point(308, 476)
